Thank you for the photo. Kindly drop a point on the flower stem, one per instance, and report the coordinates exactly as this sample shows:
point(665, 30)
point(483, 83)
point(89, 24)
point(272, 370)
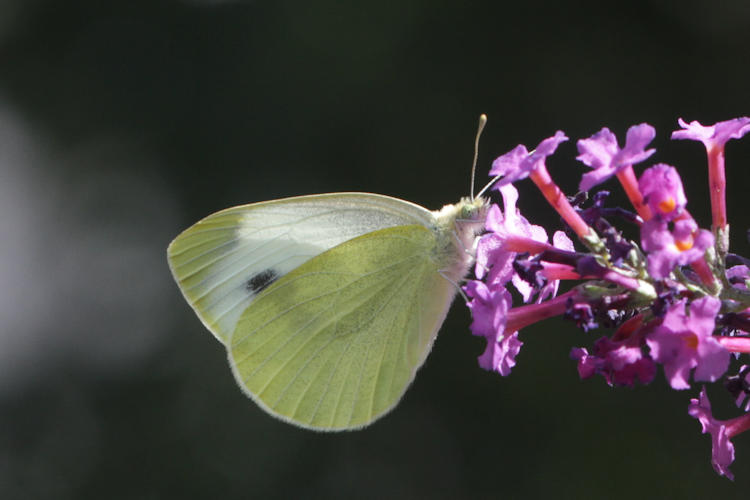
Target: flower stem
point(523, 316)
point(559, 202)
point(553, 271)
point(627, 179)
point(717, 183)
point(737, 425)
point(523, 244)
point(628, 328)
point(735, 344)
point(704, 272)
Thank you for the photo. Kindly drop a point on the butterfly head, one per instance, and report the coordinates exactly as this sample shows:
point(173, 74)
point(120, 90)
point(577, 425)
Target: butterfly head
point(465, 219)
point(472, 210)
point(457, 228)
point(470, 218)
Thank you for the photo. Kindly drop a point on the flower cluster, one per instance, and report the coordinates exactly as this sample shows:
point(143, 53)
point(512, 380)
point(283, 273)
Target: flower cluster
point(677, 298)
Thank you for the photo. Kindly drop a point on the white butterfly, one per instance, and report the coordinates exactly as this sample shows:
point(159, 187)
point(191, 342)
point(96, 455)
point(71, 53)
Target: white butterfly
point(327, 304)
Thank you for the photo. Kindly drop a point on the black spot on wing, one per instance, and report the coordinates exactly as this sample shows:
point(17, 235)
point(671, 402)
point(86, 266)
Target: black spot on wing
point(260, 281)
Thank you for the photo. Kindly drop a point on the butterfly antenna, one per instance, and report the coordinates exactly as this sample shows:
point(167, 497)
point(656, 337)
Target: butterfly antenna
point(489, 185)
point(482, 123)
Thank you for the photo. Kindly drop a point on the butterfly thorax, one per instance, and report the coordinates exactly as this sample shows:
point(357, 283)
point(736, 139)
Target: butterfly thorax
point(457, 227)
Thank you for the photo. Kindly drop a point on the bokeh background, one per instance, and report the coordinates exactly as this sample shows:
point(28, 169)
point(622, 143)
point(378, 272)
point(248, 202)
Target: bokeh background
point(123, 122)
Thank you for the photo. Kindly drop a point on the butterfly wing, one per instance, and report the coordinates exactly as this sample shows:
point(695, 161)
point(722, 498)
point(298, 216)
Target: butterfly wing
point(334, 343)
point(224, 261)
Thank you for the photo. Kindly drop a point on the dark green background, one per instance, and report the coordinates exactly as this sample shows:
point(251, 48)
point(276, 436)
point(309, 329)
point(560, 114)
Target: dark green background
point(121, 123)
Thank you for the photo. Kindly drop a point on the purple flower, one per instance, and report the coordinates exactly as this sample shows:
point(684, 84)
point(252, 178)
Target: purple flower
point(722, 449)
point(619, 362)
point(493, 257)
point(602, 153)
point(713, 136)
point(559, 240)
point(489, 309)
point(684, 342)
point(737, 275)
point(662, 190)
point(518, 163)
point(532, 281)
point(500, 356)
point(510, 233)
point(588, 365)
point(667, 249)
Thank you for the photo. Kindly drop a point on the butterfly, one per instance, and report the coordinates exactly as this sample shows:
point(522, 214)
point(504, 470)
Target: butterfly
point(327, 304)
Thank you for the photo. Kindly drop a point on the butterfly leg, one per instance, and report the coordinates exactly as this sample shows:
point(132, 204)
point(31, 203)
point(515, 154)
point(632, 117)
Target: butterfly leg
point(458, 287)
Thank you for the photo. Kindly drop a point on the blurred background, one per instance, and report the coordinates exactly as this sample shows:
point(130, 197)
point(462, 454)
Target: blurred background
point(123, 122)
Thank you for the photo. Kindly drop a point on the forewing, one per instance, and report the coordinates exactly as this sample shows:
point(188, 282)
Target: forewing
point(224, 261)
point(335, 343)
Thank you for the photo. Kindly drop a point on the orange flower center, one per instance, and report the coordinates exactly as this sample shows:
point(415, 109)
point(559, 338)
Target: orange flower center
point(667, 205)
point(691, 341)
point(685, 244)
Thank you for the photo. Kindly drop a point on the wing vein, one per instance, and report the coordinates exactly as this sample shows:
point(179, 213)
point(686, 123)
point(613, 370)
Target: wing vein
point(386, 343)
point(367, 355)
point(292, 307)
point(292, 337)
point(226, 258)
